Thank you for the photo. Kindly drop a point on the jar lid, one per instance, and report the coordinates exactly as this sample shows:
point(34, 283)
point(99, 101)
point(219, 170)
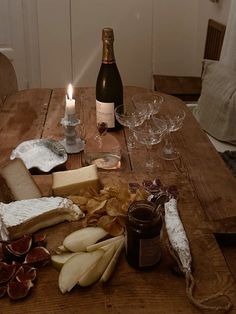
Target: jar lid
point(144, 213)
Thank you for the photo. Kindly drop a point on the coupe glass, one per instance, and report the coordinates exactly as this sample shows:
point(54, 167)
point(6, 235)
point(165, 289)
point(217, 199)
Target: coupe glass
point(130, 116)
point(150, 133)
point(174, 120)
point(149, 100)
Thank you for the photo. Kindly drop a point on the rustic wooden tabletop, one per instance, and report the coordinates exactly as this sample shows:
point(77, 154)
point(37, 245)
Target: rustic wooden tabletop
point(207, 206)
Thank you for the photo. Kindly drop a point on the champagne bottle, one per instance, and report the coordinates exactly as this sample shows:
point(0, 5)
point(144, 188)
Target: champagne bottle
point(109, 88)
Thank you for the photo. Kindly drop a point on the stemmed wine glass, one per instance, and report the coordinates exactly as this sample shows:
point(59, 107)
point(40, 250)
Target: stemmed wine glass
point(149, 100)
point(150, 133)
point(174, 120)
point(130, 116)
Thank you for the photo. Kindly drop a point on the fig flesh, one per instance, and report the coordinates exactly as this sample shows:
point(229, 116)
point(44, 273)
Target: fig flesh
point(6, 272)
point(39, 239)
point(18, 289)
point(38, 257)
point(3, 290)
point(20, 247)
point(25, 273)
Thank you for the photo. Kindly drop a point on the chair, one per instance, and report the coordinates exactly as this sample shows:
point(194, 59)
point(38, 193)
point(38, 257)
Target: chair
point(8, 80)
point(188, 88)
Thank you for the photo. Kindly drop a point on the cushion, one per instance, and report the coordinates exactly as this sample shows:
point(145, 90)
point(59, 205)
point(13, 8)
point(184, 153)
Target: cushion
point(216, 110)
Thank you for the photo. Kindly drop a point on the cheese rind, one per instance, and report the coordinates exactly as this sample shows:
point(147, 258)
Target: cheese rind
point(27, 216)
point(19, 180)
point(70, 182)
point(6, 195)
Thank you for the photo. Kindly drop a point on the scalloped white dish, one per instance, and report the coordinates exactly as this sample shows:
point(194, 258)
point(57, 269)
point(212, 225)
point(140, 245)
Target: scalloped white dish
point(41, 153)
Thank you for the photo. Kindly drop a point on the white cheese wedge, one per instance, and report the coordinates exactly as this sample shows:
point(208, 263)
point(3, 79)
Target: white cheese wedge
point(19, 181)
point(70, 182)
point(27, 216)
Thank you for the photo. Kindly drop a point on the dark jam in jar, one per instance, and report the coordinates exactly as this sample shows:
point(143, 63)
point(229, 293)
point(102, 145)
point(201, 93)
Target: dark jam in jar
point(143, 227)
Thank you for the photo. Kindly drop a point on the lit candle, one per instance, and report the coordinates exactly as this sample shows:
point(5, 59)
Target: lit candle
point(70, 102)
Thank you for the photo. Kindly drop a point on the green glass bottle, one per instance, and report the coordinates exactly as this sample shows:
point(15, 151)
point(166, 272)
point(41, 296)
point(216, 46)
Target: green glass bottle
point(109, 88)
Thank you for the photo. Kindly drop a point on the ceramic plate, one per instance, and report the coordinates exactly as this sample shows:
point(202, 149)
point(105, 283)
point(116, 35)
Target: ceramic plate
point(41, 153)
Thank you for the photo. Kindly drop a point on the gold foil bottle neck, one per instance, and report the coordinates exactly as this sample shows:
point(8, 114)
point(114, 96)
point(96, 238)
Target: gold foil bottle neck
point(108, 51)
point(107, 34)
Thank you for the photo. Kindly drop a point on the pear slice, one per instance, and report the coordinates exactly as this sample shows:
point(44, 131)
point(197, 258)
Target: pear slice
point(114, 244)
point(75, 267)
point(100, 244)
point(96, 271)
point(111, 266)
point(61, 249)
point(80, 239)
point(59, 260)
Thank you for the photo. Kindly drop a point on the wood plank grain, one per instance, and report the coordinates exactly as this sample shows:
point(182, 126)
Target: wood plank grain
point(130, 290)
point(22, 118)
point(206, 193)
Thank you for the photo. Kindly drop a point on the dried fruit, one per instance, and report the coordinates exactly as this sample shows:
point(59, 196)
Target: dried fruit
point(20, 247)
point(26, 272)
point(3, 290)
point(6, 272)
point(39, 239)
point(16, 278)
point(38, 257)
point(18, 289)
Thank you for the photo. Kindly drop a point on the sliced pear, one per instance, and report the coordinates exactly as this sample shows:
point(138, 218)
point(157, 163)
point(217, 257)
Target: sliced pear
point(75, 267)
point(59, 260)
point(114, 244)
point(100, 244)
point(96, 271)
point(80, 239)
point(61, 249)
point(111, 266)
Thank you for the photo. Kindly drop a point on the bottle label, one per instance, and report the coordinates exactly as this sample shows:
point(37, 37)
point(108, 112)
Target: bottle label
point(105, 113)
point(149, 251)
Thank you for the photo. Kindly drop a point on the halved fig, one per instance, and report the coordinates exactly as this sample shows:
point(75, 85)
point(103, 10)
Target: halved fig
point(9, 257)
point(1, 252)
point(18, 289)
point(38, 257)
point(20, 247)
point(26, 272)
point(6, 272)
point(3, 290)
point(39, 239)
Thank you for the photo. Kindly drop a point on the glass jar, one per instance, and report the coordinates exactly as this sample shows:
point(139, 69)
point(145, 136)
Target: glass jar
point(143, 227)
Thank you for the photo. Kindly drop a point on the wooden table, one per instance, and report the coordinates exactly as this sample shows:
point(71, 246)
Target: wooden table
point(207, 205)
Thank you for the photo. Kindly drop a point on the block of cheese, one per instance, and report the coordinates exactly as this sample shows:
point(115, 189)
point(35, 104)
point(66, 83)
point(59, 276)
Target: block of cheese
point(70, 182)
point(27, 216)
point(5, 193)
point(19, 180)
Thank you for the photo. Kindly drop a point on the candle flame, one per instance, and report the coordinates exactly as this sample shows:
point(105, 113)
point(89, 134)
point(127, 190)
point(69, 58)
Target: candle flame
point(70, 91)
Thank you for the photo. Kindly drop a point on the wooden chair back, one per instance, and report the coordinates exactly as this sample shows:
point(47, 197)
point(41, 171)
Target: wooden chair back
point(8, 80)
point(214, 40)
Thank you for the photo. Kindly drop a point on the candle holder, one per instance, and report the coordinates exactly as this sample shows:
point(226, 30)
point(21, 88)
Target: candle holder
point(72, 142)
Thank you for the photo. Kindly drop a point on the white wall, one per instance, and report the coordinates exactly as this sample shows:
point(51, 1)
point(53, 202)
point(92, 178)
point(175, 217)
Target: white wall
point(132, 25)
point(57, 41)
point(12, 41)
point(180, 33)
point(175, 36)
point(54, 42)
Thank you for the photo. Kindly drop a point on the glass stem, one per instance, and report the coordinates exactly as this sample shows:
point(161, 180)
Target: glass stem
point(131, 139)
point(168, 147)
point(150, 160)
